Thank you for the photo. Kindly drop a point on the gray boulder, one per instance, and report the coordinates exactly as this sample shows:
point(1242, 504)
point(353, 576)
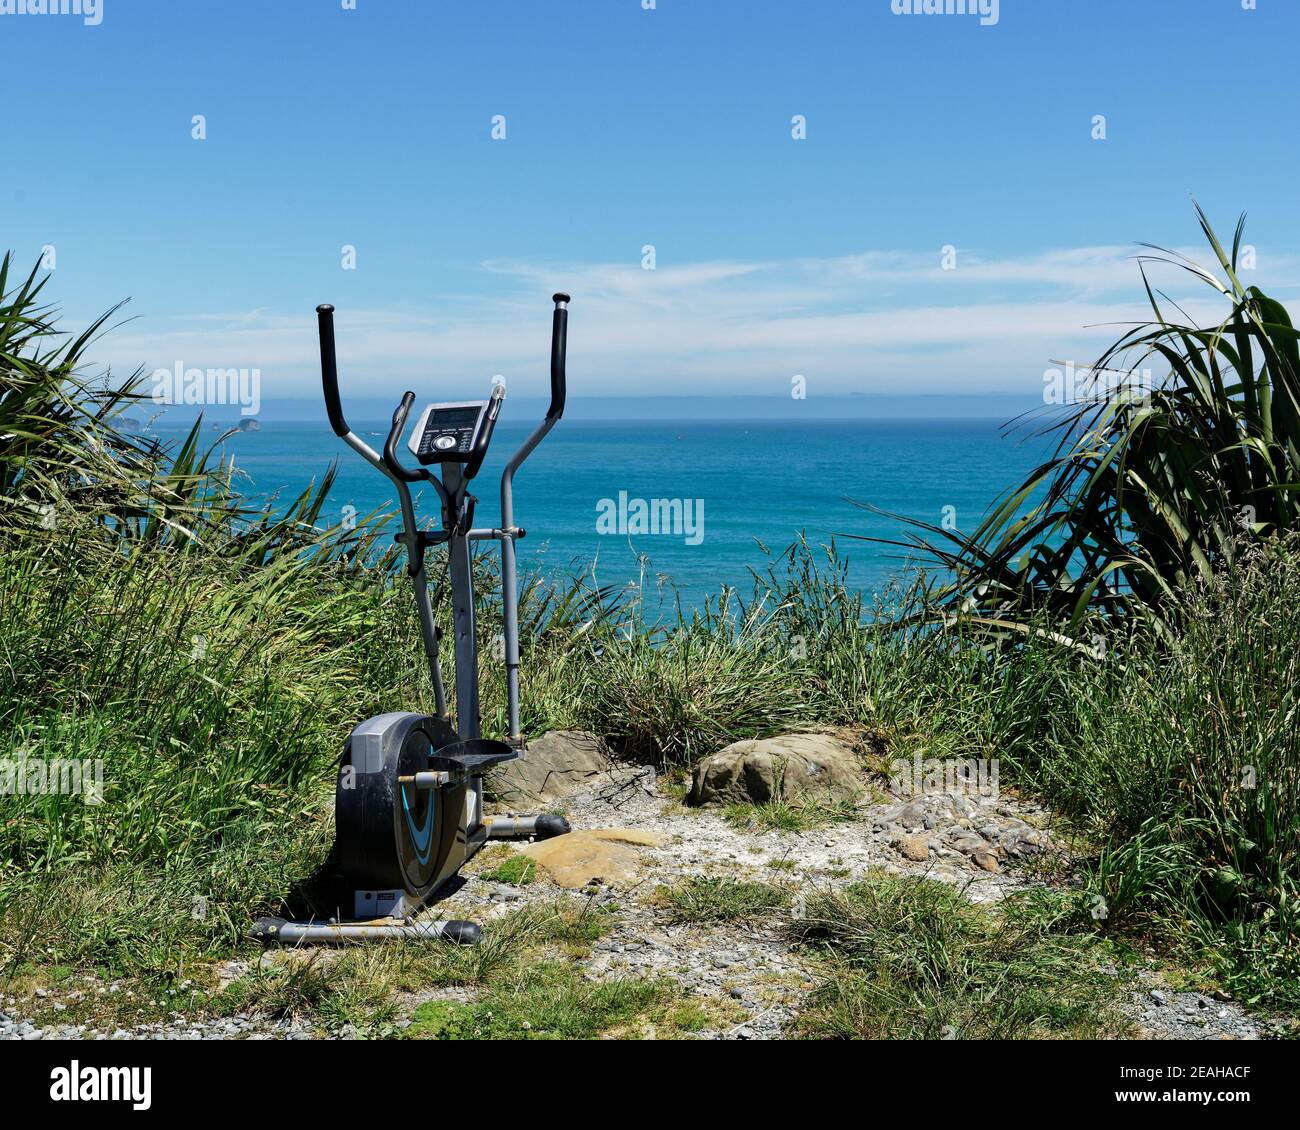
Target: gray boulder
point(556, 764)
point(799, 768)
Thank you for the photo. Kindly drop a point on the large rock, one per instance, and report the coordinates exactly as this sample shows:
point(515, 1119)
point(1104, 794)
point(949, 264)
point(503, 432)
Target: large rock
point(799, 768)
point(555, 765)
point(607, 855)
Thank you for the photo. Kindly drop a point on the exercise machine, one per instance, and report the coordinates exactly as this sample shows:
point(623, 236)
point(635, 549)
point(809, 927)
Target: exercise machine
point(408, 803)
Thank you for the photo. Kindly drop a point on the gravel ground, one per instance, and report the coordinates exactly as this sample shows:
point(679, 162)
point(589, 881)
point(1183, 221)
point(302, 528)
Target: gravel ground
point(181, 1028)
point(1165, 1014)
point(750, 975)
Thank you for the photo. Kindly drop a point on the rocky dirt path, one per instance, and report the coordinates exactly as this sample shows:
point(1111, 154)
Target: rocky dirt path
point(752, 978)
point(987, 846)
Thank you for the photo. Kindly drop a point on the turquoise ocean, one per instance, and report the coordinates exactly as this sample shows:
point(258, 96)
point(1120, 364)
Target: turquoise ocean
point(749, 484)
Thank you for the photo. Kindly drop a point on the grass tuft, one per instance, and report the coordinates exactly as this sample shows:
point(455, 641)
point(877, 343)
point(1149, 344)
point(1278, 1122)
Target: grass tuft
point(908, 958)
point(703, 900)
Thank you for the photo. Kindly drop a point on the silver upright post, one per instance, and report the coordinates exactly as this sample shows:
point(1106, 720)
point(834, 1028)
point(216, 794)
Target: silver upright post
point(509, 577)
point(510, 614)
point(509, 531)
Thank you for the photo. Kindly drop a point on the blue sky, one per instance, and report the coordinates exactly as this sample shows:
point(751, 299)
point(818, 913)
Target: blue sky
point(626, 127)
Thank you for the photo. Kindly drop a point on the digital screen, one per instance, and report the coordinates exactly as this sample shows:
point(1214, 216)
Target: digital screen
point(445, 418)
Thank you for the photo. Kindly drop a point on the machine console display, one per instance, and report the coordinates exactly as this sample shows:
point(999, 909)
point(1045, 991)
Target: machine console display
point(445, 433)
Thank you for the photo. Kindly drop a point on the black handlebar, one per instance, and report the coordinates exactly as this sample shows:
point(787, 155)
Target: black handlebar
point(334, 406)
point(394, 435)
point(559, 347)
point(475, 460)
point(329, 369)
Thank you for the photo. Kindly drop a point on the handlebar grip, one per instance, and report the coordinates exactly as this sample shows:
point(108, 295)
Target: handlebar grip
point(401, 411)
point(477, 456)
point(394, 434)
point(559, 348)
point(329, 370)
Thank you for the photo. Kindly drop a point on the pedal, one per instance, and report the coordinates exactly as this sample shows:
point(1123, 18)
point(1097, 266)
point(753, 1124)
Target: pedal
point(472, 757)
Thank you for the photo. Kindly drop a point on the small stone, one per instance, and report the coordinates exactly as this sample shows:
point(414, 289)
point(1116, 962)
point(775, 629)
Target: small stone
point(915, 847)
point(985, 859)
point(968, 843)
point(1159, 997)
point(912, 815)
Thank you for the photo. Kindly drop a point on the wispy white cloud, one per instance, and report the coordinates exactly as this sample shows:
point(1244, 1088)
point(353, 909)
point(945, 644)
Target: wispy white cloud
point(874, 322)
